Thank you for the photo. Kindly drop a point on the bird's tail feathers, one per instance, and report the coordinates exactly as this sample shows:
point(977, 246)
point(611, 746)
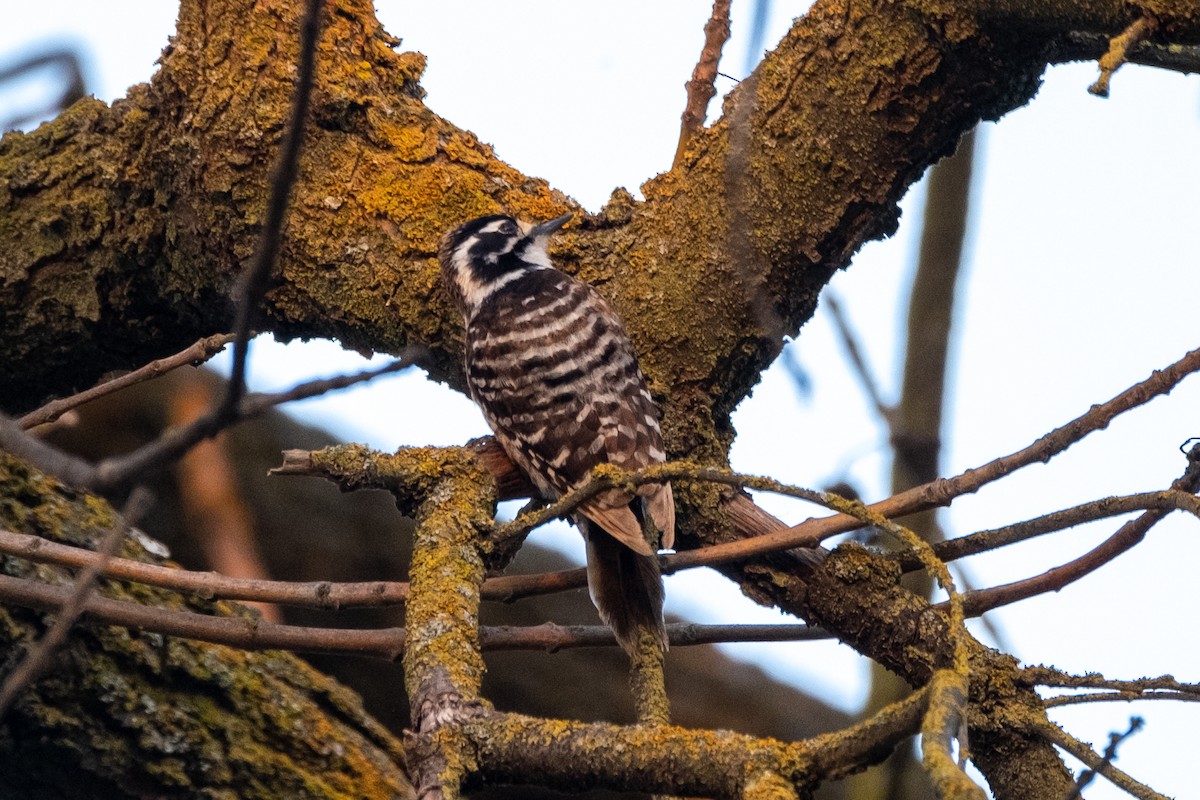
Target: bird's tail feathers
point(626, 588)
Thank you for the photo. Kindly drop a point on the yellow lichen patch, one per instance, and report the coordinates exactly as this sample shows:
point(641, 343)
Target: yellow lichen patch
point(768, 786)
point(413, 142)
point(465, 148)
point(537, 207)
point(410, 65)
point(407, 196)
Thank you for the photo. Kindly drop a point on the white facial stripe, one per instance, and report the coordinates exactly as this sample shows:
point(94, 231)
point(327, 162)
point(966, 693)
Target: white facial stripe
point(476, 291)
point(536, 253)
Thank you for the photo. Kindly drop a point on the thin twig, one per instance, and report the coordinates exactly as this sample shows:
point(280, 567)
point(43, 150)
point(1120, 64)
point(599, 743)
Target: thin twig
point(245, 632)
point(69, 469)
point(248, 633)
point(700, 89)
point(253, 283)
point(551, 637)
point(941, 492)
point(1093, 760)
point(850, 342)
point(989, 540)
point(1118, 51)
point(37, 660)
point(1126, 537)
point(196, 354)
point(1110, 755)
point(315, 594)
point(118, 472)
point(73, 85)
point(1049, 676)
point(1116, 697)
point(114, 473)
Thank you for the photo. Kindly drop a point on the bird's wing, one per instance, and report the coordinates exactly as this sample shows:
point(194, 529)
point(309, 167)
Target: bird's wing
point(619, 522)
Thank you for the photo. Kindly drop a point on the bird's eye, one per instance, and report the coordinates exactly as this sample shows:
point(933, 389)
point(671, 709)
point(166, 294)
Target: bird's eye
point(508, 228)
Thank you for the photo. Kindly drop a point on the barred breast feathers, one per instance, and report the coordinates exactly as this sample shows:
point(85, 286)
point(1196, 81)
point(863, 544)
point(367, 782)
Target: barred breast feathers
point(551, 366)
point(557, 379)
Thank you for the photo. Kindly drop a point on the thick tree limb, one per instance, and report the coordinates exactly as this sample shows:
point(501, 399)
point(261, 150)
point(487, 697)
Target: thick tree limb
point(667, 759)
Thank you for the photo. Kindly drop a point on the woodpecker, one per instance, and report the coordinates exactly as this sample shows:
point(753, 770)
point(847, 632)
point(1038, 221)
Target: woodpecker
point(557, 379)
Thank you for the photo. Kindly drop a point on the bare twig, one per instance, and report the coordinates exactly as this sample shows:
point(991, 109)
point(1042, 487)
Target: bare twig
point(1110, 755)
point(118, 472)
point(69, 469)
point(1117, 697)
point(248, 633)
point(986, 541)
point(1126, 537)
point(319, 594)
point(74, 86)
point(700, 89)
point(941, 492)
point(315, 594)
point(114, 473)
point(1094, 761)
point(552, 637)
point(1083, 46)
point(1049, 676)
point(1118, 51)
point(850, 342)
point(509, 588)
point(40, 654)
point(196, 354)
point(253, 283)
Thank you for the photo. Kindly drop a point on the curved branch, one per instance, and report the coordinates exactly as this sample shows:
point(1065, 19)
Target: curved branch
point(1095, 762)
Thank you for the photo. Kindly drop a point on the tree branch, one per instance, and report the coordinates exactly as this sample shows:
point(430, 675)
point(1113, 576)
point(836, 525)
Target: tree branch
point(700, 89)
point(1126, 537)
point(37, 659)
point(1118, 51)
point(1095, 762)
point(943, 491)
point(194, 355)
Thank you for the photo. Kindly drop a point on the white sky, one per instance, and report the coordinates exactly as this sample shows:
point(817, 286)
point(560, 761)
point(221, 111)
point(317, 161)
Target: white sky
point(1081, 278)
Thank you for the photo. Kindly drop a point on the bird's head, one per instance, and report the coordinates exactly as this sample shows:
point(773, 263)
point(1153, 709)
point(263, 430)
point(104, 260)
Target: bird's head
point(480, 256)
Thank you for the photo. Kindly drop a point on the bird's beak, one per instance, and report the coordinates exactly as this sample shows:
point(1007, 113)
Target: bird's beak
point(547, 228)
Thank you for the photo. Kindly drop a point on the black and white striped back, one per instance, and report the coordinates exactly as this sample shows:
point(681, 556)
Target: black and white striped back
point(555, 374)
